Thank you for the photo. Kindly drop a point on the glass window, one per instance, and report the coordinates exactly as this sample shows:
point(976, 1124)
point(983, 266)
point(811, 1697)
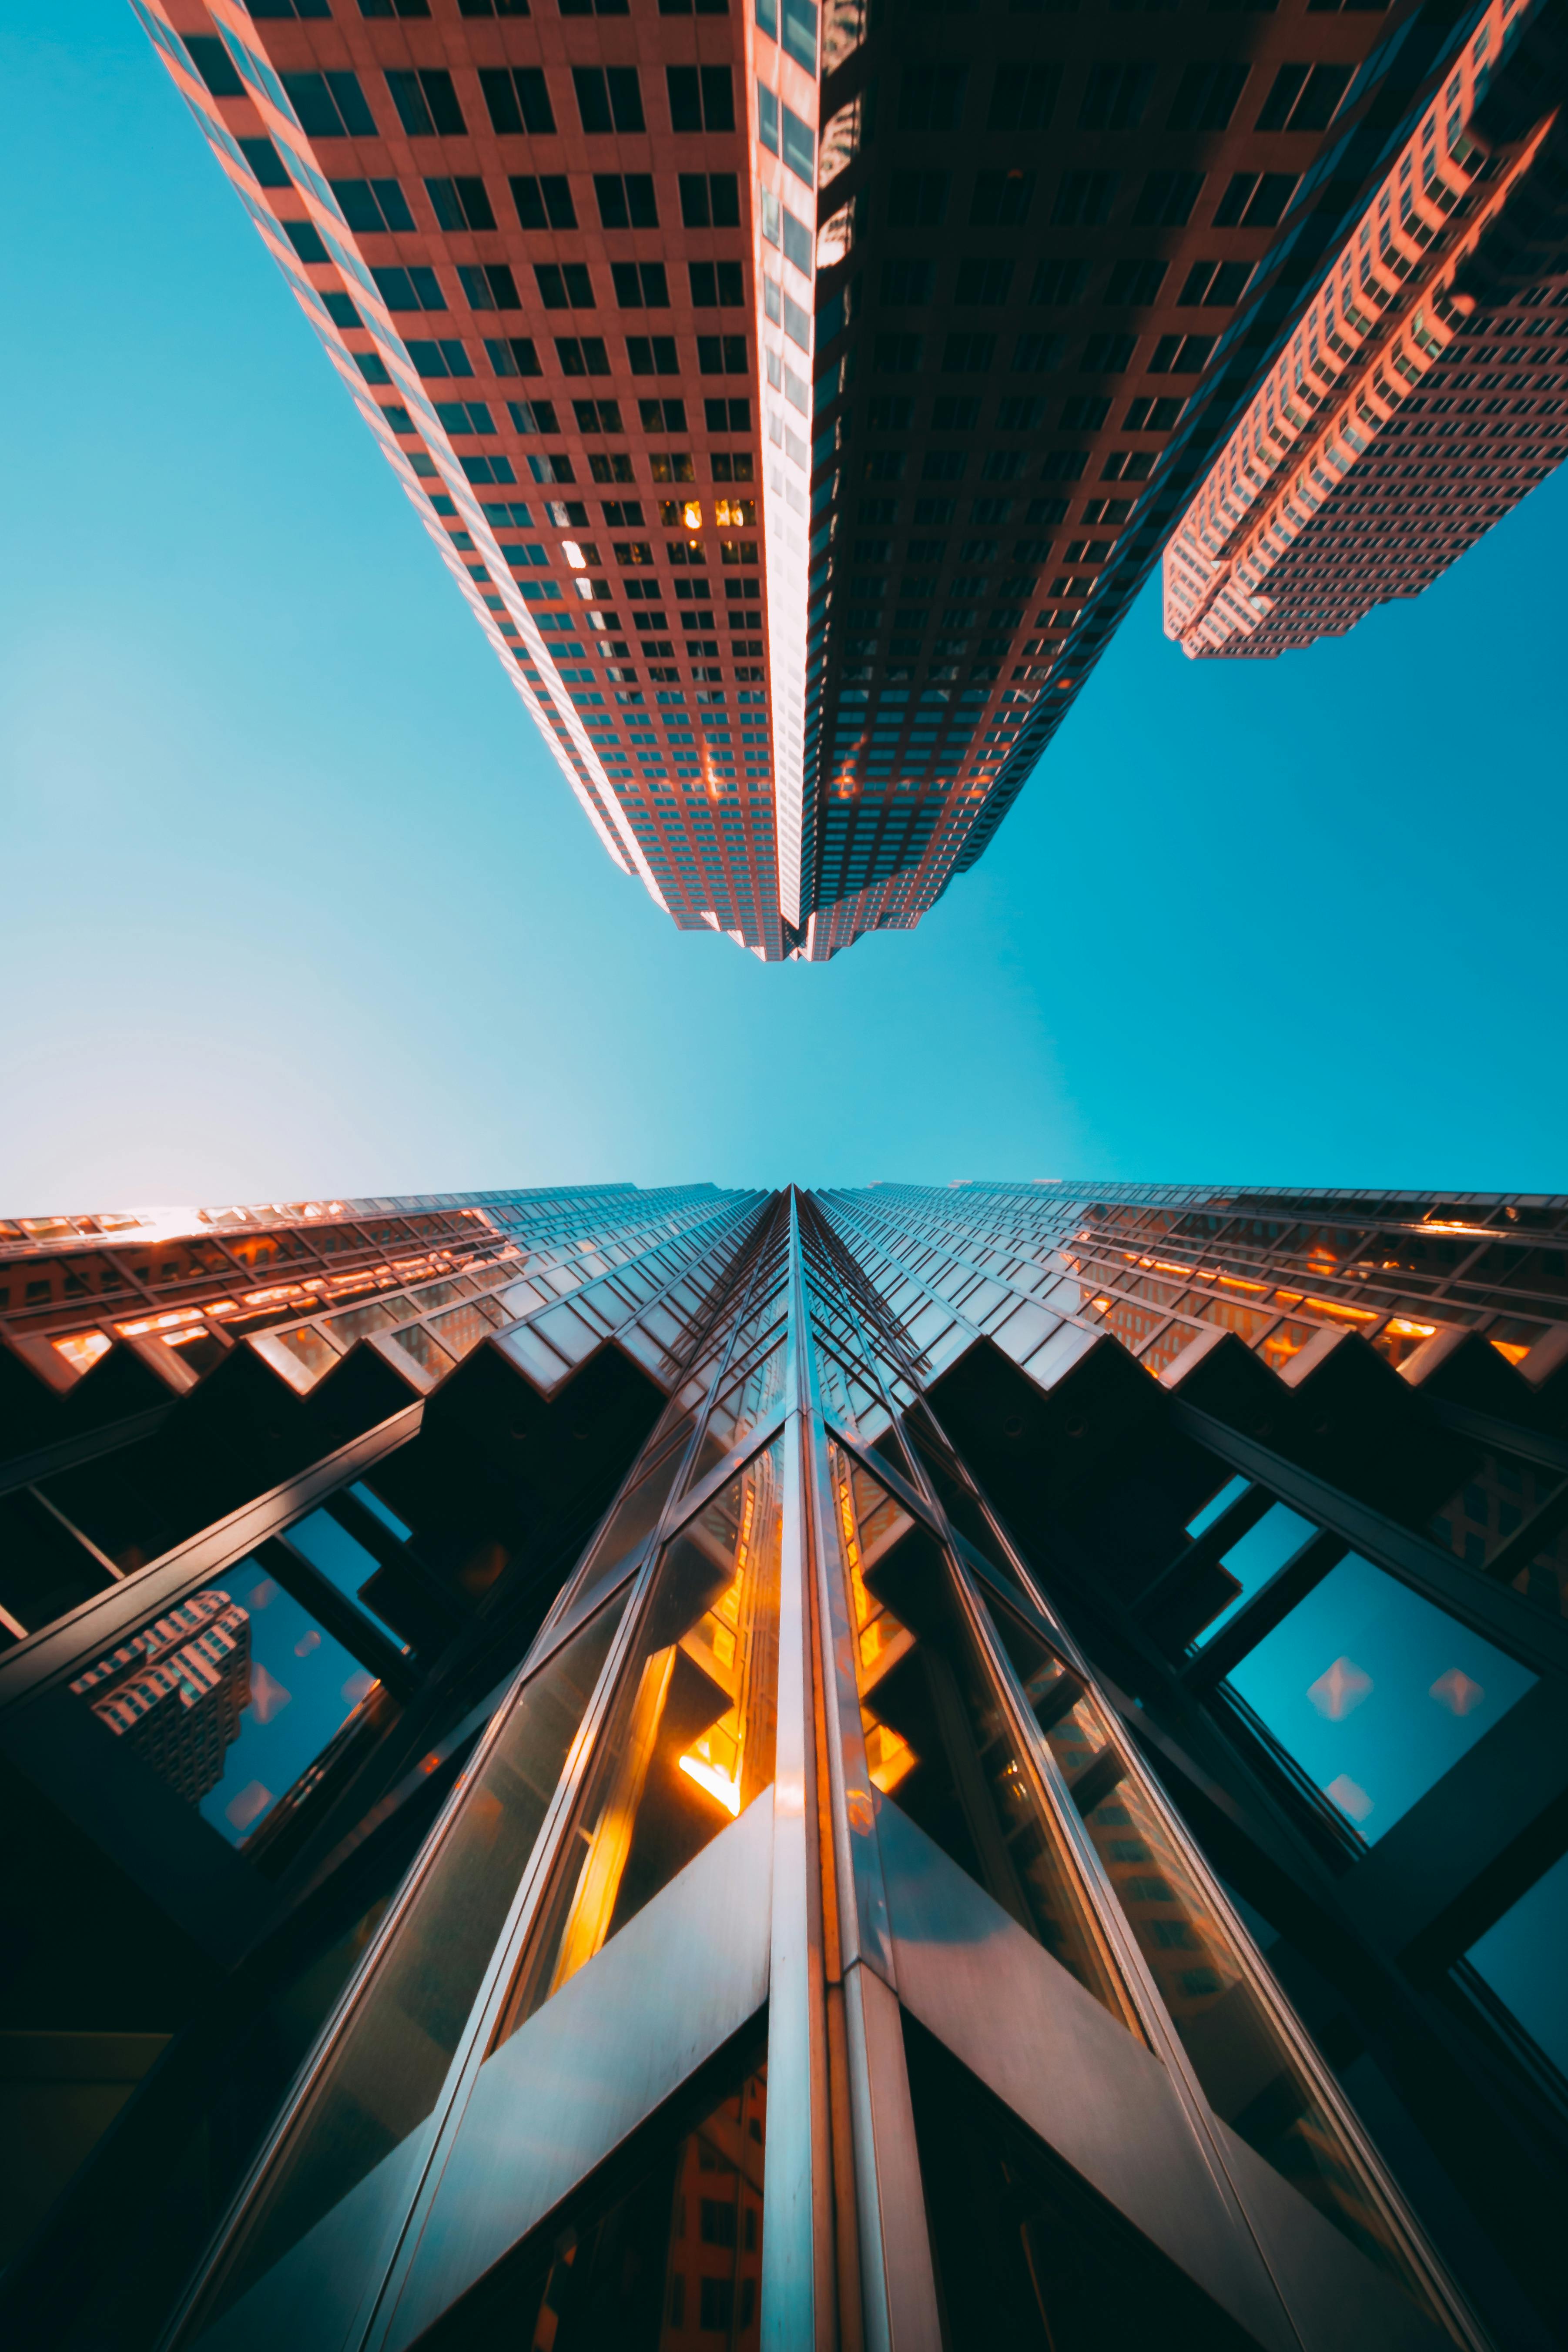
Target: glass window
point(937, 1740)
point(1247, 2071)
point(364, 2128)
point(1375, 1692)
point(342, 1560)
point(1231, 1492)
point(1521, 1960)
point(231, 1696)
point(692, 1740)
point(1255, 1557)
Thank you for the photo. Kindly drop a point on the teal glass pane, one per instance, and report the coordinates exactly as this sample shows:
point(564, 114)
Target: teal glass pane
point(1256, 1556)
point(332, 1551)
point(1231, 1492)
point(1375, 1692)
point(1521, 1960)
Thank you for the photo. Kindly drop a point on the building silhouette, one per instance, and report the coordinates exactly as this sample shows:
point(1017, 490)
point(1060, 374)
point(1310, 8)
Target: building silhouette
point(968, 1765)
point(798, 396)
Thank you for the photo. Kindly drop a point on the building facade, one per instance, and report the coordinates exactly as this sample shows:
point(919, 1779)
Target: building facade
point(925, 1765)
point(1370, 460)
point(797, 398)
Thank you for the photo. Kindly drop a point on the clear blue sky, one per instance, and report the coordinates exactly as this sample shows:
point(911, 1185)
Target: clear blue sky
point(296, 904)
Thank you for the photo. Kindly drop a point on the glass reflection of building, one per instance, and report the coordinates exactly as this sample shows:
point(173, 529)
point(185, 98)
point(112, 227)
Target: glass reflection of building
point(970, 1766)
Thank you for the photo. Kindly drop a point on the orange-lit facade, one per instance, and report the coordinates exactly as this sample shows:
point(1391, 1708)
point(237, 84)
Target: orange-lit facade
point(961, 1766)
point(795, 397)
point(1424, 389)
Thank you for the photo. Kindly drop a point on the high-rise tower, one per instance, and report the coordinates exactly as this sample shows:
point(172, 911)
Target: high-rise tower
point(799, 396)
point(960, 1765)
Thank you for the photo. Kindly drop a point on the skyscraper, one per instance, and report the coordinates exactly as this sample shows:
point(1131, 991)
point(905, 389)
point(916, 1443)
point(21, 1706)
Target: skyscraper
point(1359, 472)
point(798, 397)
point(973, 1764)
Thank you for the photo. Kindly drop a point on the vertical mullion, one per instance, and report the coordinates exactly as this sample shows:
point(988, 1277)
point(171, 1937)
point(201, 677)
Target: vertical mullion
point(896, 2275)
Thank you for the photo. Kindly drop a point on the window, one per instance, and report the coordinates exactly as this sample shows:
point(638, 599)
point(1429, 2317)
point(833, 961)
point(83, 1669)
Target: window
point(1115, 96)
point(1135, 282)
point(490, 287)
point(1206, 98)
point(1019, 413)
point(1058, 281)
point(564, 286)
point(897, 354)
point(1001, 199)
point(906, 283)
point(341, 312)
point(366, 9)
point(723, 416)
point(265, 162)
point(722, 355)
point(623, 510)
point(370, 207)
point(306, 240)
point(717, 285)
point(487, 469)
point(955, 413)
point(518, 100)
point(1153, 416)
point(1109, 354)
point(557, 468)
point(667, 415)
point(1375, 1692)
point(216, 68)
point(640, 285)
point(984, 282)
point(329, 105)
point(1520, 1958)
point(930, 97)
point(1304, 98)
point(409, 290)
point(1255, 199)
point(800, 33)
point(1127, 466)
point(1033, 355)
point(882, 465)
point(582, 356)
point(533, 416)
point(917, 199)
point(1167, 199)
point(710, 199)
point(460, 203)
point(427, 104)
point(942, 466)
point(1085, 197)
point(624, 201)
point(799, 147)
point(1181, 354)
point(968, 354)
point(767, 117)
point(615, 466)
point(701, 98)
point(543, 202)
point(652, 356)
point(441, 359)
point(1024, 96)
point(1215, 283)
point(465, 417)
point(609, 98)
point(1086, 413)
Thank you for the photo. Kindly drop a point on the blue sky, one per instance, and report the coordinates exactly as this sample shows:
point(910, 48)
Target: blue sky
point(299, 905)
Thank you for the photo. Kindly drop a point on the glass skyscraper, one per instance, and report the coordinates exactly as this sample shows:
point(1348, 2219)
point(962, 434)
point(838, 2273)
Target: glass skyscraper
point(799, 395)
point(970, 1767)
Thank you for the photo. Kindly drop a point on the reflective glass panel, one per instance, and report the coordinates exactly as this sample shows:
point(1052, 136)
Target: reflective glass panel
point(1522, 1960)
point(691, 1740)
point(232, 1696)
point(1375, 1692)
point(1256, 1556)
point(1249, 2075)
point(350, 2162)
point(674, 2264)
point(343, 1562)
point(937, 1739)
